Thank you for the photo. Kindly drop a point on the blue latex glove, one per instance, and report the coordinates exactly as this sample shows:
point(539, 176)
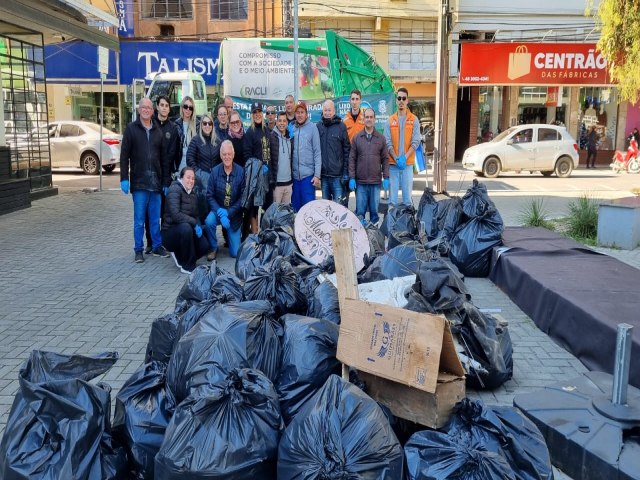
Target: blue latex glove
point(198, 230)
point(211, 218)
point(265, 169)
point(385, 184)
point(124, 186)
point(165, 190)
point(352, 184)
point(401, 162)
point(225, 222)
point(222, 212)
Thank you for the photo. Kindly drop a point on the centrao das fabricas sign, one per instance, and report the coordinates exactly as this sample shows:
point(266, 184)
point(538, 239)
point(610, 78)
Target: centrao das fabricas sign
point(532, 64)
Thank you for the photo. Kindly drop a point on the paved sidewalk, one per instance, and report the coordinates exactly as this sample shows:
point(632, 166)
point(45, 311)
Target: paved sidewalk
point(68, 284)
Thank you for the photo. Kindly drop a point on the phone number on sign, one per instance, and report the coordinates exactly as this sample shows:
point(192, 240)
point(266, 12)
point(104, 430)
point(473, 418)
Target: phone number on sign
point(475, 79)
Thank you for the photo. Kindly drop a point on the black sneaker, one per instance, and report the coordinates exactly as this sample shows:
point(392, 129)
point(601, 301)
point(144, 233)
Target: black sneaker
point(139, 257)
point(160, 252)
point(147, 251)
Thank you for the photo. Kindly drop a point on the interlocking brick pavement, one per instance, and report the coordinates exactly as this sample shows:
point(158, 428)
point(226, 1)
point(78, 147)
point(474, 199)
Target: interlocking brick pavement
point(68, 283)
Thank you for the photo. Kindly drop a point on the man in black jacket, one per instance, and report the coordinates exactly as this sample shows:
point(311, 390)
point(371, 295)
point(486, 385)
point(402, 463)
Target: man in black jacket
point(334, 150)
point(145, 170)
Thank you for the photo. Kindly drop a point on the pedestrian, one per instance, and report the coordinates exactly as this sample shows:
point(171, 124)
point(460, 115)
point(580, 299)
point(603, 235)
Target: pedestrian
point(145, 171)
point(281, 156)
point(334, 150)
point(271, 117)
point(592, 147)
point(221, 124)
point(402, 132)
point(187, 126)
point(368, 168)
point(236, 135)
point(202, 155)
point(307, 160)
point(171, 146)
point(182, 232)
point(224, 194)
point(228, 104)
point(256, 145)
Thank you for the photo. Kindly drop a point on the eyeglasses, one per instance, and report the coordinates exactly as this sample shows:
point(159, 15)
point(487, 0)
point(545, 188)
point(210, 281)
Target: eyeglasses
point(207, 124)
point(271, 113)
point(188, 107)
point(401, 99)
point(235, 122)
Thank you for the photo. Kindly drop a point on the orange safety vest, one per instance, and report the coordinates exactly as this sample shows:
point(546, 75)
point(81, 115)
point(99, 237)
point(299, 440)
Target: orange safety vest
point(354, 127)
point(394, 129)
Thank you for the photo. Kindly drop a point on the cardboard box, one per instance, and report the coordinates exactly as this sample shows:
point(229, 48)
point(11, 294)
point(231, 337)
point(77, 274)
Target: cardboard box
point(408, 359)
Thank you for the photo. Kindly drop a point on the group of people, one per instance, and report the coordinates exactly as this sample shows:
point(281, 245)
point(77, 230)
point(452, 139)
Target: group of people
point(189, 176)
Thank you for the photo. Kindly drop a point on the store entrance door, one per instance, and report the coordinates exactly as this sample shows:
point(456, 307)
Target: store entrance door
point(463, 122)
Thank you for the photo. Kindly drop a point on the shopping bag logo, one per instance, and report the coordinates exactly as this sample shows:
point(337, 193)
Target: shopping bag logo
point(519, 63)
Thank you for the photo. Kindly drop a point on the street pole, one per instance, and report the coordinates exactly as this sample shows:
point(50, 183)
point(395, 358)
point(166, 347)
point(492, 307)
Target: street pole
point(442, 88)
point(296, 92)
point(101, 126)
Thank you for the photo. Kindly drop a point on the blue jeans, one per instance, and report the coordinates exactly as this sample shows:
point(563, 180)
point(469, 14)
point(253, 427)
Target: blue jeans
point(400, 179)
point(146, 203)
point(368, 198)
point(303, 192)
point(332, 188)
point(233, 236)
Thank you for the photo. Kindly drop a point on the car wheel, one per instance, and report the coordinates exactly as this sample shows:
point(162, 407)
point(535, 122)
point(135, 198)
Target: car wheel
point(564, 167)
point(633, 166)
point(90, 163)
point(547, 173)
point(491, 167)
point(109, 168)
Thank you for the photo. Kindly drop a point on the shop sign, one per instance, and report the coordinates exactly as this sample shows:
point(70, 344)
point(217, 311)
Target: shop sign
point(532, 64)
point(125, 18)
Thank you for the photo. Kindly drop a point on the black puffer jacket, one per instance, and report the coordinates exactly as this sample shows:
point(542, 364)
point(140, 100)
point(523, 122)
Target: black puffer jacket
point(334, 147)
point(143, 161)
point(171, 140)
point(180, 207)
point(203, 155)
point(252, 142)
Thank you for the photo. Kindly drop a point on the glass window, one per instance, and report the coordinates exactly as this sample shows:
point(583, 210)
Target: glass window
point(167, 9)
point(67, 130)
point(229, 9)
point(548, 134)
point(542, 105)
point(412, 45)
point(198, 91)
point(524, 136)
point(599, 108)
point(489, 113)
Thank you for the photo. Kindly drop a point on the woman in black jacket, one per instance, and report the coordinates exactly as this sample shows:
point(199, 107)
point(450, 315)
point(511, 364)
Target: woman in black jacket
point(182, 232)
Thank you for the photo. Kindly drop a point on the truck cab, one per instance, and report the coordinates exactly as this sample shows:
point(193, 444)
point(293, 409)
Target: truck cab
point(176, 86)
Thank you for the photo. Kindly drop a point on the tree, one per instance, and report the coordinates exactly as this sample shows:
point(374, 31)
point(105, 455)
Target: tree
point(620, 44)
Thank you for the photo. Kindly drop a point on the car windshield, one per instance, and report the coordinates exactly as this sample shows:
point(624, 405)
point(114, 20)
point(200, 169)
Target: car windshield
point(96, 128)
point(505, 134)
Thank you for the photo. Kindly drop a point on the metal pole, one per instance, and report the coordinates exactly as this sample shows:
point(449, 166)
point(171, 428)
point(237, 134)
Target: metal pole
point(442, 87)
point(101, 126)
point(296, 81)
point(621, 367)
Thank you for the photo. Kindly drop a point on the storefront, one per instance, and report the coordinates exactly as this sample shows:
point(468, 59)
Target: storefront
point(560, 83)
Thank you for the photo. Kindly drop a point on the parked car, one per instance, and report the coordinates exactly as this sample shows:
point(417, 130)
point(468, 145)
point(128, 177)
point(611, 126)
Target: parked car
point(77, 144)
point(535, 147)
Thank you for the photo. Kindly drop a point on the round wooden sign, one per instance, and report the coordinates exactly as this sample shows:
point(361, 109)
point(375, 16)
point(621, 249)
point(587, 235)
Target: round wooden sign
point(313, 226)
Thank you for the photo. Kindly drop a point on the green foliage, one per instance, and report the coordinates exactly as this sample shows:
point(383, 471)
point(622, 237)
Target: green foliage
point(620, 44)
point(535, 214)
point(582, 221)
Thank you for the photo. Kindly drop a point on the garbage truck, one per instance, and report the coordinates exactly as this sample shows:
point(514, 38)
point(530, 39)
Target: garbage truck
point(262, 69)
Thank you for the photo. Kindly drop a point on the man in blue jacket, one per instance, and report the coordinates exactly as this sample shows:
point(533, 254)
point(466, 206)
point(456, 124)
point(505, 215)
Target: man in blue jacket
point(307, 161)
point(145, 170)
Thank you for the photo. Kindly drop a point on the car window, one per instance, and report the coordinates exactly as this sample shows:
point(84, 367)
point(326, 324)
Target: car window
point(67, 130)
point(524, 136)
point(548, 134)
point(198, 90)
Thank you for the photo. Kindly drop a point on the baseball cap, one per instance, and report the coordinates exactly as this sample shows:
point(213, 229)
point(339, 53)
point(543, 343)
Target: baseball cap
point(301, 104)
point(255, 106)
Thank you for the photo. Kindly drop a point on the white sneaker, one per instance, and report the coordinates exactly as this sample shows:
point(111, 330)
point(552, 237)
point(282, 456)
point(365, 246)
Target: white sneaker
point(185, 271)
point(175, 260)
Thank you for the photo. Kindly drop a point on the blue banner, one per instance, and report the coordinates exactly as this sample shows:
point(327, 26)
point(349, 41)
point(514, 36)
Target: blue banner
point(76, 61)
point(141, 59)
point(125, 17)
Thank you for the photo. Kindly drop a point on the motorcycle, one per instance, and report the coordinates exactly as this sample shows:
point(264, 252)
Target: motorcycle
point(629, 161)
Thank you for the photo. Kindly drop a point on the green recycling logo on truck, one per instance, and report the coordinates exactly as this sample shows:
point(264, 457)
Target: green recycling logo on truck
point(262, 69)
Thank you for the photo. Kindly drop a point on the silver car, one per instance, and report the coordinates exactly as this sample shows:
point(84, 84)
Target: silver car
point(535, 147)
point(77, 144)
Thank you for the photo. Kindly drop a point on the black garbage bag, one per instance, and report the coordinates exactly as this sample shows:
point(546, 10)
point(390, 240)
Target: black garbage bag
point(340, 433)
point(441, 287)
point(255, 251)
point(476, 201)
point(439, 213)
point(144, 407)
point(486, 348)
point(308, 359)
point(115, 463)
point(288, 247)
point(256, 183)
point(162, 339)
point(324, 303)
point(231, 335)
point(227, 288)
point(278, 283)
point(376, 239)
point(399, 225)
point(473, 242)
point(278, 215)
point(400, 261)
point(197, 287)
point(228, 431)
point(193, 316)
point(58, 419)
point(480, 443)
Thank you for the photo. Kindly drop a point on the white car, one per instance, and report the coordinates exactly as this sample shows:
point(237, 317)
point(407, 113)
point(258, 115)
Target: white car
point(535, 147)
point(77, 144)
